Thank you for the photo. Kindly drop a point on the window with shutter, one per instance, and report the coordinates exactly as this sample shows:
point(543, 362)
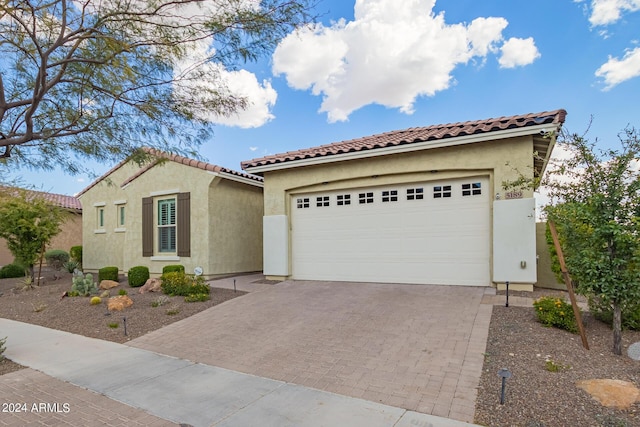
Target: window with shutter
point(167, 225)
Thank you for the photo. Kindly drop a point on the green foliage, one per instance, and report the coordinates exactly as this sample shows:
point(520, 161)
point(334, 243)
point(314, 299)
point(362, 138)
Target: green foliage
point(95, 301)
point(76, 253)
point(108, 79)
point(3, 341)
point(173, 268)
point(56, 258)
point(27, 223)
point(114, 325)
point(108, 273)
point(556, 312)
point(181, 284)
point(197, 297)
point(604, 313)
point(11, 270)
point(71, 265)
point(553, 366)
point(83, 285)
point(122, 292)
point(138, 276)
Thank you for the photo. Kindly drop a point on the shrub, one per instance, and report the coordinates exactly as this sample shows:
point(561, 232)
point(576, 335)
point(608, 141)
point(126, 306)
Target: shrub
point(83, 285)
point(76, 254)
point(181, 284)
point(556, 312)
point(114, 325)
point(160, 301)
point(108, 273)
point(122, 292)
point(12, 270)
point(604, 313)
point(138, 276)
point(197, 298)
point(71, 265)
point(173, 268)
point(95, 301)
point(56, 258)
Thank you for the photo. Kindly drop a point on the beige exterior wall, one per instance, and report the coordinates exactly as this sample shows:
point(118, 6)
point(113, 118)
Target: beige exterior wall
point(546, 277)
point(122, 246)
point(500, 160)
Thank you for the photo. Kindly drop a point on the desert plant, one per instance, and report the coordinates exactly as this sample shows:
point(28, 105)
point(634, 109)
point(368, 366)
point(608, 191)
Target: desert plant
point(108, 273)
point(173, 311)
point(138, 276)
point(71, 265)
point(76, 254)
point(37, 308)
point(160, 301)
point(197, 297)
point(56, 258)
point(556, 312)
point(95, 301)
point(83, 285)
point(114, 325)
point(173, 268)
point(181, 284)
point(122, 292)
point(12, 270)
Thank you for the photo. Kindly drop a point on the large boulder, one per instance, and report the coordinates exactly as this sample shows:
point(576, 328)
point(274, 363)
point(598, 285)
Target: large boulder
point(108, 284)
point(151, 285)
point(612, 393)
point(119, 303)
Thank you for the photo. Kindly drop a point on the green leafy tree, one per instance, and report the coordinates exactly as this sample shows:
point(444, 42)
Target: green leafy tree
point(596, 206)
point(27, 223)
point(99, 79)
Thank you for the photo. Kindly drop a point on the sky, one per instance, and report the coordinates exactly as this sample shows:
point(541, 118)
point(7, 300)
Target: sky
point(372, 66)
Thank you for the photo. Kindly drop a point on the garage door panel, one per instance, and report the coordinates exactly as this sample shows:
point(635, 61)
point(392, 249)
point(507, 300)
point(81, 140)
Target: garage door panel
point(430, 240)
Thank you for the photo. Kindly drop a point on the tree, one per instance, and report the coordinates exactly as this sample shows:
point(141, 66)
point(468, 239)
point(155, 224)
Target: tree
point(596, 205)
point(101, 78)
point(27, 223)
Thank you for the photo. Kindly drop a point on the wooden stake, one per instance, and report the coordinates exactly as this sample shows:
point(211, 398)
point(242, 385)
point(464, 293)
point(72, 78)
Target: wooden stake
point(567, 281)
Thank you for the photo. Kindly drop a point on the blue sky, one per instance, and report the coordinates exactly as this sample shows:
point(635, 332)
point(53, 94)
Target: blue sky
point(372, 66)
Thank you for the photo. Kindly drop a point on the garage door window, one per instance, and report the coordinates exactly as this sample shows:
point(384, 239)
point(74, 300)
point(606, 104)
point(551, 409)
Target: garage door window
point(344, 199)
point(365, 198)
point(302, 203)
point(415, 193)
point(473, 189)
point(322, 201)
point(390, 196)
point(441, 191)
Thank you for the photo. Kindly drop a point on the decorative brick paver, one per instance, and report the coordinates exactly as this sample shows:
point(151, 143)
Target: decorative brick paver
point(58, 403)
point(411, 346)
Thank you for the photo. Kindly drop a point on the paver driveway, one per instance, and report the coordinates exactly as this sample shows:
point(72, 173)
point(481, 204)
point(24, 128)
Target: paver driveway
point(412, 346)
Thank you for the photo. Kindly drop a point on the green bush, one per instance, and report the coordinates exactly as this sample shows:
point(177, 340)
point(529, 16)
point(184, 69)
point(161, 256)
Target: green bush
point(177, 283)
point(173, 268)
point(604, 313)
point(76, 253)
point(56, 258)
point(12, 270)
point(138, 276)
point(108, 273)
point(556, 312)
point(71, 265)
point(197, 298)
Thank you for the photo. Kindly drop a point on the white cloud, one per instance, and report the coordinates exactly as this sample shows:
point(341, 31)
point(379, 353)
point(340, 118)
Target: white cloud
point(518, 52)
point(253, 148)
point(605, 12)
point(616, 71)
point(390, 54)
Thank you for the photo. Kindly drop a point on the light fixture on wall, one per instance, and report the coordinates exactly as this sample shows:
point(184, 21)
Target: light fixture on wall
point(497, 196)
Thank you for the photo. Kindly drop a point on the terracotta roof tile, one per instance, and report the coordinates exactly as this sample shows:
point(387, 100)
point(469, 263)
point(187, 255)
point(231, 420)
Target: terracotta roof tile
point(413, 135)
point(61, 200)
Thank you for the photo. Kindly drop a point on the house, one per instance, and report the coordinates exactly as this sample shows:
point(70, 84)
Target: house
point(173, 210)
point(70, 230)
point(422, 206)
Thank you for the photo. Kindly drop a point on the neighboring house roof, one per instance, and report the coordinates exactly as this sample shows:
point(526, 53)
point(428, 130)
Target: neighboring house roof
point(174, 158)
point(61, 200)
point(435, 134)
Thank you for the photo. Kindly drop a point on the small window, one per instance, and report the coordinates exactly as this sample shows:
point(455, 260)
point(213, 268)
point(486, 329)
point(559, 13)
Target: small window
point(441, 191)
point(322, 201)
point(390, 196)
point(100, 217)
point(344, 199)
point(473, 189)
point(303, 203)
point(415, 193)
point(121, 216)
point(365, 198)
point(167, 225)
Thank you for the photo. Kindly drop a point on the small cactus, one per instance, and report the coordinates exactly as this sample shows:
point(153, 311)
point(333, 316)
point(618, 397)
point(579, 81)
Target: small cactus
point(95, 301)
point(84, 285)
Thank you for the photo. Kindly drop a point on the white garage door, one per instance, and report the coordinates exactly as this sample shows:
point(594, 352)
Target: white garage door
point(424, 233)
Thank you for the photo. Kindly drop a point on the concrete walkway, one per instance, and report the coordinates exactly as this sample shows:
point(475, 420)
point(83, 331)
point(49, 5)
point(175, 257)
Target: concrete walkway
point(79, 381)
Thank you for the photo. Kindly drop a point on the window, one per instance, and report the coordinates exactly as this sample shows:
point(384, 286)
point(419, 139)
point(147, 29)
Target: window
point(473, 189)
point(344, 199)
point(302, 203)
point(415, 193)
point(167, 225)
point(100, 217)
point(121, 216)
point(390, 196)
point(322, 201)
point(441, 191)
point(365, 198)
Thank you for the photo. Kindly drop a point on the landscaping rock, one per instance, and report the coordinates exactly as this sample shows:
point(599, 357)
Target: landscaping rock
point(108, 284)
point(151, 285)
point(612, 393)
point(119, 303)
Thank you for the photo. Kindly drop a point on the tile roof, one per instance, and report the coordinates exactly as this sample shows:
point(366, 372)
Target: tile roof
point(174, 158)
point(61, 200)
point(413, 135)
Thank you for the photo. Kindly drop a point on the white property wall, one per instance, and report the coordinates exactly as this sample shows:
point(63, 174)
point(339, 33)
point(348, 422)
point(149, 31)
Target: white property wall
point(514, 241)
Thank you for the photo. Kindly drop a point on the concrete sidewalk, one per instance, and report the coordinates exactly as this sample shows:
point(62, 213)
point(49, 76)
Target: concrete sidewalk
point(116, 385)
